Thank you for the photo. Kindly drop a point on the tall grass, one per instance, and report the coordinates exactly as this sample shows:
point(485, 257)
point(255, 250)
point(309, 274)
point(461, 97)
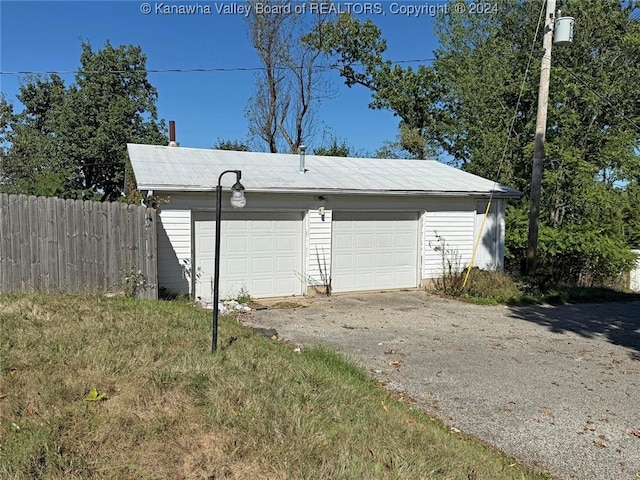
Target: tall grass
point(499, 288)
point(172, 410)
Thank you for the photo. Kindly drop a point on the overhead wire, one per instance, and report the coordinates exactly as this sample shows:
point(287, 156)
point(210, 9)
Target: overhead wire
point(601, 97)
point(185, 70)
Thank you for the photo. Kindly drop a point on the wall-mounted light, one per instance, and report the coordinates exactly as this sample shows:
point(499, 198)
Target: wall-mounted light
point(321, 207)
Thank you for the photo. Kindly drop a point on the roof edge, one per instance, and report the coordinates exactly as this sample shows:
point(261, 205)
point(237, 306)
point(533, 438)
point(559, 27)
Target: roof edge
point(514, 194)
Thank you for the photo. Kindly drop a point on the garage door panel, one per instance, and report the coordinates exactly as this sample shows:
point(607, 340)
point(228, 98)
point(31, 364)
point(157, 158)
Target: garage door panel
point(262, 226)
point(345, 261)
point(407, 240)
point(364, 240)
point(285, 264)
point(384, 240)
point(240, 266)
point(287, 242)
point(364, 261)
point(261, 285)
point(235, 228)
point(385, 279)
point(237, 244)
point(343, 240)
point(405, 259)
point(385, 260)
point(260, 253)
point(262, 266)
point(364, 279)
point(262, 243)
point(373, 250)
point(286, 227)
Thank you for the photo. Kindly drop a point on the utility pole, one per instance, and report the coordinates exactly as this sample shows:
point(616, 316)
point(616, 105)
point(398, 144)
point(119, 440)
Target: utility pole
point(538, 152)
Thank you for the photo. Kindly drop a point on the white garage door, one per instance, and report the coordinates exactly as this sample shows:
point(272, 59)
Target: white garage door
point(260, 253)
point(374, 250)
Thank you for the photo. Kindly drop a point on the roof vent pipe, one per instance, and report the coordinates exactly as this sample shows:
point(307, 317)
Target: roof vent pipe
point(302, 149)
point(172, 134)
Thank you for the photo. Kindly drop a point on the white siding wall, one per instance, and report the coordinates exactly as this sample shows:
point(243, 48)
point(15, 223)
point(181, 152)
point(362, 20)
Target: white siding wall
point(174, 249)
point(452, 218)
point(490, 254)
point(635, 274)
point(318, 247)
point(456, 227)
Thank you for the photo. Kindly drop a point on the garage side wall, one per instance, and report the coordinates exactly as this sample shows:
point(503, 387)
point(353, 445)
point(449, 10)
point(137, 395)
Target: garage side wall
point(448, 225)
point(634, 275)
point(490, 253)
point(319, 250)
point(174, 250)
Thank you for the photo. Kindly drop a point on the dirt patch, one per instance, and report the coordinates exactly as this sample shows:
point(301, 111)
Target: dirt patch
point(553, 386)
point(207, 456)
point(288, 305)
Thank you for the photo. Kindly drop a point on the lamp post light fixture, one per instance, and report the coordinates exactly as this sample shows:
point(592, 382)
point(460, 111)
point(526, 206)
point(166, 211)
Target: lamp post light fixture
point(237, 201)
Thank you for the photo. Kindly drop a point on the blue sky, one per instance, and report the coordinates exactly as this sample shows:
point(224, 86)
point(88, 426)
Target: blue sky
point(41, 36)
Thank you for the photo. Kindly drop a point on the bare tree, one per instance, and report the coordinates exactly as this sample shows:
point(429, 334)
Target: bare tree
point(291, 82)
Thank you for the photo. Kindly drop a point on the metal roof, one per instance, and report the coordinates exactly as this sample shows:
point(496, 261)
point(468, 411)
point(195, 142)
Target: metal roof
point(196, 169)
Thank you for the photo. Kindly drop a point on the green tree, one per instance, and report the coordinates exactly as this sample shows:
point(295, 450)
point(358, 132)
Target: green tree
point(235, 145)
point(111, 104)
point(409, 143)
point(6, 118)
point(592, 135)
point(32, 161)
point(334, 149)
point(357, 49)
point(71, 141)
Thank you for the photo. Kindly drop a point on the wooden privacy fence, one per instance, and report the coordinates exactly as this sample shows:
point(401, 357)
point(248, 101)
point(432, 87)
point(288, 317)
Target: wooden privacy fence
point(51, 244)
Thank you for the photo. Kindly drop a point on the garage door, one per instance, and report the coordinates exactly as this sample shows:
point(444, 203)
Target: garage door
point(260, 253)
point(374, 250)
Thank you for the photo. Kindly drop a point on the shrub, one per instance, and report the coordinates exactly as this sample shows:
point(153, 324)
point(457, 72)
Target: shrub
point(498, 286)
point(573, 254)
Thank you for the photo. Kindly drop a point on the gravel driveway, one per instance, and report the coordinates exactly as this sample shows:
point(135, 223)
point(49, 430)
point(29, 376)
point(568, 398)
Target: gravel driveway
point(557, 387)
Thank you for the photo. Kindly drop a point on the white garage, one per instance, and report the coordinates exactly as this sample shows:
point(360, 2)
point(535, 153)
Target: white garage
point(374, 250)
point(314, 224)
point(260, 253)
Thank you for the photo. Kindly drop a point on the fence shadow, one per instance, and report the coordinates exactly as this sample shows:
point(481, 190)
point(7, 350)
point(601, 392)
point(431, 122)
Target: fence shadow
point(618, 322)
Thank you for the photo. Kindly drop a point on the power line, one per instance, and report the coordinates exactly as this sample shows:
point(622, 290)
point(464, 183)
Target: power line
point(185, 70)
point(605, 100)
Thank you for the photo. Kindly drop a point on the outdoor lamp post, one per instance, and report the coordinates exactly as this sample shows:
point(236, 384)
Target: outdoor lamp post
point(237, 201)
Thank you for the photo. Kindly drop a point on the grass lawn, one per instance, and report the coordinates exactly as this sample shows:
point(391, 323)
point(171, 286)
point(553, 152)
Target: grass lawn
point(173, 411)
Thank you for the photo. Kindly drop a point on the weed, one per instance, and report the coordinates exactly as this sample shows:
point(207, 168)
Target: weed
point(189, 273)
point(243, 295)
point(323, 269)
point(163, 379)
point(134, 282)
point(321, 285)
point(452, 279)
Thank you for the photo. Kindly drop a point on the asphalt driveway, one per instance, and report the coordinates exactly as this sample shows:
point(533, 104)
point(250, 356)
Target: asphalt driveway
point(557, 387)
